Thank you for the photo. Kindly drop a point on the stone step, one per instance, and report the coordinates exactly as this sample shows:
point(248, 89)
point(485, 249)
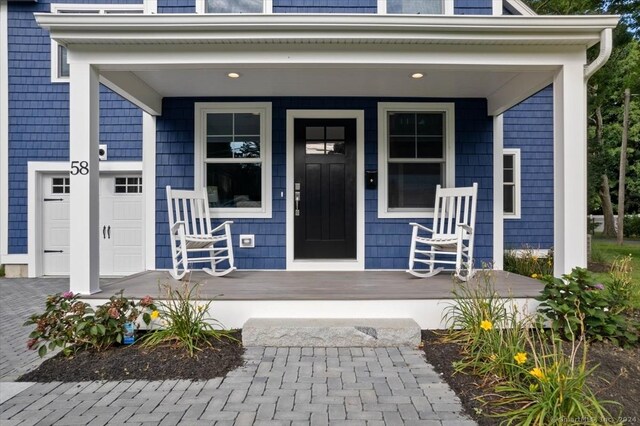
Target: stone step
point(331, 332)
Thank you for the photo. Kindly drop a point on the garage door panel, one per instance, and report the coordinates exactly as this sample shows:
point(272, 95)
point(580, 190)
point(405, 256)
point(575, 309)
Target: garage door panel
point(121, 249)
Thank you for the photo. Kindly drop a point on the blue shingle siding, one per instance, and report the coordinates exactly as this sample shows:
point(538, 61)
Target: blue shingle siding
point(177, 6)
point(386, 240)
point(472, 7)
point(529, 126)
point(325, 6)
point(39, 113)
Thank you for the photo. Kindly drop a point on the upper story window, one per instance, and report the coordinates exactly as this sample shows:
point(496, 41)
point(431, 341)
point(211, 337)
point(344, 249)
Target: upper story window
point(416, 7)
point(59, 63)
point(416, 152)
point(234, 6)
point(233, 158)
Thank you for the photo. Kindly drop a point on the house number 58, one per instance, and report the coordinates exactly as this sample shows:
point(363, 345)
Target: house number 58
point(79, 167)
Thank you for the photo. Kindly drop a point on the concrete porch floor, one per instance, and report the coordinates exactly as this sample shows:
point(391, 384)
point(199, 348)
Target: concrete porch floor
point(293, 285)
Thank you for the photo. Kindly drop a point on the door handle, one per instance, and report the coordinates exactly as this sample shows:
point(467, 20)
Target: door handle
point(297, 200)
point(109, 231)
point(104, 229)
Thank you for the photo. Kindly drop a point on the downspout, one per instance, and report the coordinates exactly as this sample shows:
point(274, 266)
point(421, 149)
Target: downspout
point(606, 46)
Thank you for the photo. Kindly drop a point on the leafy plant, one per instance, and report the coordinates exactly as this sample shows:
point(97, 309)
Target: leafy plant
point(185, 322)
point(528, 262)
point(57, 326)
point(631, 226)
point(552, 389)
point(105, 326)
point(1, 271)
point(71, 324)
point(622, 290)
point(576, 292)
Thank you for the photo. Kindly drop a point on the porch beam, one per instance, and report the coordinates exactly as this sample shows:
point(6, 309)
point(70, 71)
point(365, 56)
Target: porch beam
point(84, 123)
point(133, 89)
point(570, 168)
point(515, 91)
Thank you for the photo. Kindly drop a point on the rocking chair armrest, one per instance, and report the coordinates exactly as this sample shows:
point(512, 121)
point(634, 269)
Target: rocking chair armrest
point(222, 225)
point(424, 228)
point(466, 228)
point(177, 226)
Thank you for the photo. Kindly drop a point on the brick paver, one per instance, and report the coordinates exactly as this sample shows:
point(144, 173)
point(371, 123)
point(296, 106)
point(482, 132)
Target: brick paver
point(276, 386)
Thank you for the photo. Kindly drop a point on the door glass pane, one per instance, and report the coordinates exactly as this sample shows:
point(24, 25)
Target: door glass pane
point(335, 133)
point(234, 185)
point(413, 185)
point(335, 148)
point(415, 6)
point(233, 6)
point(314, 132)
point(315, 147)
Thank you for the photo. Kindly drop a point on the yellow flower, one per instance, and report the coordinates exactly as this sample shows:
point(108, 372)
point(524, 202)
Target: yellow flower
point(493, 357)
point(155, 314)
point(200, 308)
point(486, 325)
point(520, 357)
point(537, 373)
point(534, 275)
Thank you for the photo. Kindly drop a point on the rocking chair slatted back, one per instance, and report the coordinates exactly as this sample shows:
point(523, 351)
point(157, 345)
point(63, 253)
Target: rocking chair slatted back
point(454, 206)
point(192, 208)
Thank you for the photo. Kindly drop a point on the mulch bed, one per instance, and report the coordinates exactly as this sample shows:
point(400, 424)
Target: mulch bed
point(162, 362)
point(617, 377)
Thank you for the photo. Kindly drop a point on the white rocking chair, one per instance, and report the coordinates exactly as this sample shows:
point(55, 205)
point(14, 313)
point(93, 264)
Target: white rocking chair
point(190, 231)
point(450, 242)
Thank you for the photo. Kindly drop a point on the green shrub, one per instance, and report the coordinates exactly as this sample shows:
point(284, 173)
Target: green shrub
point(1, 271)
point(527, 262)
point(184, 322)
point(631, 226)
point(70, 324)
point(562, 298)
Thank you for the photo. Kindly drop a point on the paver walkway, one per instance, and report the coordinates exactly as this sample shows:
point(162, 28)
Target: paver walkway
point(276, 386)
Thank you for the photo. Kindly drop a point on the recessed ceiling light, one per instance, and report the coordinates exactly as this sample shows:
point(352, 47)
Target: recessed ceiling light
point(233, 75)
point(417, 75)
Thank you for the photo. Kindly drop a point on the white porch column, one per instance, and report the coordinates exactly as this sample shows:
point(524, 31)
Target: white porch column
point(149, 187)
point(498, 192)
point(570, 168)
point(84, 117)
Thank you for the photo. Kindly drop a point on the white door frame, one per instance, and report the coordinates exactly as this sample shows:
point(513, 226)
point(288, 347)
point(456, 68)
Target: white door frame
point(328, 264)
point(36, 170)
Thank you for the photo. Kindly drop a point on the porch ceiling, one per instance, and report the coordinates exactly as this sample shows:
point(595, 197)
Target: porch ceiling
point(342, 81)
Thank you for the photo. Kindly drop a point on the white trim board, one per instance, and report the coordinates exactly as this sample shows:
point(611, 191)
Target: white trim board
point(34, 216)
point(329, 264)
point(149, 187)
point(449, 155)
point(4, 134)
point(498, 170)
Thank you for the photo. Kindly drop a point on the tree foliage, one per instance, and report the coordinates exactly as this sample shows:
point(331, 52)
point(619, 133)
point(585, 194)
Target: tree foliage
point(605, 103)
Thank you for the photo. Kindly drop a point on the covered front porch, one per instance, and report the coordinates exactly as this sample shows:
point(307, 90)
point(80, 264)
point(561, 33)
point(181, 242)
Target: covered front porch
point(162, 63)
point(322, 294)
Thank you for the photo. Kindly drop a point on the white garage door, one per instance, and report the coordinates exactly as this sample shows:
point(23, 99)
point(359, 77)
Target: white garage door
point(121, 229)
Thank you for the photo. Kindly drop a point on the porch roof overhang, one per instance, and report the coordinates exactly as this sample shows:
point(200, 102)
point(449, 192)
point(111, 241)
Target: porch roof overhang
point(502, 58)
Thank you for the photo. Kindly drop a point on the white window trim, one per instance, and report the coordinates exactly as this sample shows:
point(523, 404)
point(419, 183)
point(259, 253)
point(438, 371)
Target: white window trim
point(101, 8)
point(448, 7)
point(267, 7)
point(264, 109)
point(450, 152)
point(516, 179)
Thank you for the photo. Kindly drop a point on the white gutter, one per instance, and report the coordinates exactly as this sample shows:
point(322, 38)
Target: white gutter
point(606, 46)
point(294, 28)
